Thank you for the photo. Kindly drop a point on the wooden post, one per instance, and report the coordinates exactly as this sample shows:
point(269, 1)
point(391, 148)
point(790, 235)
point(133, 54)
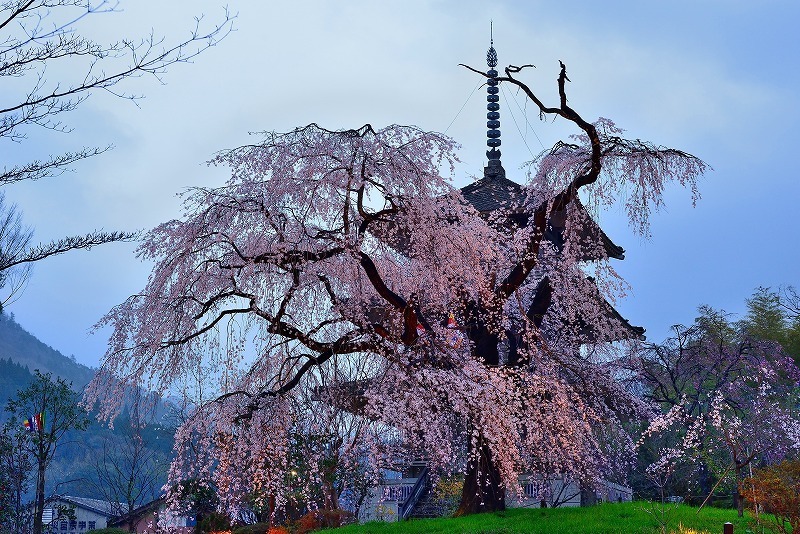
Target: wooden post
point(712, 491)
point(727, 528)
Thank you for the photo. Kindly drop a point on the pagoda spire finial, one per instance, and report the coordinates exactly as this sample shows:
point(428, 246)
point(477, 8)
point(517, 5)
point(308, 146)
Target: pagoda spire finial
point(493, 168)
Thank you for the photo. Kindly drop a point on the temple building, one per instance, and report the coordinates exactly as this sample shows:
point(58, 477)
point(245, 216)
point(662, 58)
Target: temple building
point(494, 192)
point(406, 492)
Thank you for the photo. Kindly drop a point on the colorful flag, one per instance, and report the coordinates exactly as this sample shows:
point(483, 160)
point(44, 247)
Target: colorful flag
point(453, 337)
point(451, 321)
point(35, 423)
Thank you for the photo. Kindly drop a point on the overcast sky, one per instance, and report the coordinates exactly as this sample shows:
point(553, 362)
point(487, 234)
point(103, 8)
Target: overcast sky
point(718, 79)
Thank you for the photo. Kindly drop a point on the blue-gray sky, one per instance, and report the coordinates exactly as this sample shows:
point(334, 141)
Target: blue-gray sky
point(716, 78)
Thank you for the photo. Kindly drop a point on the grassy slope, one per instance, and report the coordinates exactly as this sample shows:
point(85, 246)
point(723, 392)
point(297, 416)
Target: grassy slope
point(625, 518)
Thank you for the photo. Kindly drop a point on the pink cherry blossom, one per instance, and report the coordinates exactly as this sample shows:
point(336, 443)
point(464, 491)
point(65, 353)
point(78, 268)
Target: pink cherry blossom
point(310, 296)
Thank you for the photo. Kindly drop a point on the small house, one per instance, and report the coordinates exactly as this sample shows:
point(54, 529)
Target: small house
point(69, 514)
point(152, 516)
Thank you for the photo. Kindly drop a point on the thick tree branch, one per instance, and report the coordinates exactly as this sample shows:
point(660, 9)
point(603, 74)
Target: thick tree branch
point(519, 273)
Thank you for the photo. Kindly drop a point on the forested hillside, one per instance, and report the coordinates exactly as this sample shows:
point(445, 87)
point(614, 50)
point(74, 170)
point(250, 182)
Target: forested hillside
point(21, 347)
point(84, 458)
point(13, 376)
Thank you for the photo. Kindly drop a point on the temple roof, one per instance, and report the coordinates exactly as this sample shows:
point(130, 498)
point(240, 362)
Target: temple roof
point(106, 508)
point(589, 234)
point(492, 193)
point(608, 326)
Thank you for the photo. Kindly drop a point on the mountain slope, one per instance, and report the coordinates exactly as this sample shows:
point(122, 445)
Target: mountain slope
point(21, 347)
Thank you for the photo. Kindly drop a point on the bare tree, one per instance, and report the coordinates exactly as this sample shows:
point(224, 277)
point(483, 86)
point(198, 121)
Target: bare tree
point(15, 238)
point(129, 470)
point(37, 36)
point(15, 469)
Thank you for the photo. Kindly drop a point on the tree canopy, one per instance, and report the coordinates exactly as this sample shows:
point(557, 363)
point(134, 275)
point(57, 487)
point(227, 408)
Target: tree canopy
point(342, 266)
point(49, 409)
point(727, 390)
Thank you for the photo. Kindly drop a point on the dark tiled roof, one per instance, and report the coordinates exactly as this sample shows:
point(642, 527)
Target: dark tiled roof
point(490, 194)
point(106, 508)
point(589, 235)
point(137, 513)
point(618, 327)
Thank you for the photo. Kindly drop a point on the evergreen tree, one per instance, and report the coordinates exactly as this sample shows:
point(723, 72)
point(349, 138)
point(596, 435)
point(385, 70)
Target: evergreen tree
point(765, 318)
point(15, 479)
point(773, 316)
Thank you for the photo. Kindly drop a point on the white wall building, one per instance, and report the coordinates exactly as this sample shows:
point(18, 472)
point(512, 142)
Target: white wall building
point(67, 514)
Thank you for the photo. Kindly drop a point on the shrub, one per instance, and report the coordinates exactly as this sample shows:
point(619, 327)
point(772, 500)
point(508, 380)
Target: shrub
point(776, 490)
point(308, 523)
point(447, 494)
point(315, 520)
point(215, 522)
point(261, 528)
point(320, 519)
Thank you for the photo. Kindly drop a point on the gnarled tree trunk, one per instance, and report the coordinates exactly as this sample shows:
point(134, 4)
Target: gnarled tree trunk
point(483, 487)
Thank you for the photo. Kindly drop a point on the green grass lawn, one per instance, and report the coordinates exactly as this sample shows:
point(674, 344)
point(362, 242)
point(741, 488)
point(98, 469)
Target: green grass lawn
point(629, 518)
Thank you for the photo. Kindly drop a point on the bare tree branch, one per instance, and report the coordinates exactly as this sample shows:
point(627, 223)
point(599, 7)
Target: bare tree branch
point(35, 37)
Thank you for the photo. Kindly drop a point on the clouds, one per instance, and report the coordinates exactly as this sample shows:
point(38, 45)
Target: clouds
point(714, 78)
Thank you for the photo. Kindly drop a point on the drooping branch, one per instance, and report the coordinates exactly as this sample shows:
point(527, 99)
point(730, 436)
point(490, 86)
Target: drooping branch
point(411, 314)
point(395, 300)
point(344, 345)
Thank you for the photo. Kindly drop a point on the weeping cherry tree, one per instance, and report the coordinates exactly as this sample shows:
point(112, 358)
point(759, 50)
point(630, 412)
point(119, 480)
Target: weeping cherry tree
point(345, 268)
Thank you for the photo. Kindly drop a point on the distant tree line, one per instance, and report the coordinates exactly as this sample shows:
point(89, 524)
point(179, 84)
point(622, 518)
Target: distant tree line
point(13, 376)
